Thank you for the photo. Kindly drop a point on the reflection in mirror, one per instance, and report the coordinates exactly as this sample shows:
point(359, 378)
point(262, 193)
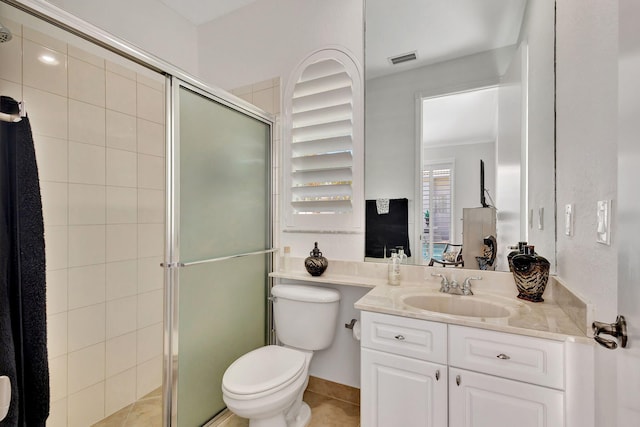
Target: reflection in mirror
point(454, 89)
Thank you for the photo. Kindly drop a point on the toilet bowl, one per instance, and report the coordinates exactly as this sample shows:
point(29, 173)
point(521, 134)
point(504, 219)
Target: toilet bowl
point(266, 385)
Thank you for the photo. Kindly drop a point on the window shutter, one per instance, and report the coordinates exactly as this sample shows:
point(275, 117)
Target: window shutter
point(321, 167)
point(437, 200)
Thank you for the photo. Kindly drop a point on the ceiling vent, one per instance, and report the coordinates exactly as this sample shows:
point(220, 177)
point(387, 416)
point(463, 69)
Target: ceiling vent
point(405, 57)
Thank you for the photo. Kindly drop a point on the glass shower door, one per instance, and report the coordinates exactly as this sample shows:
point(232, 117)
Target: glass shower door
point(219, 257)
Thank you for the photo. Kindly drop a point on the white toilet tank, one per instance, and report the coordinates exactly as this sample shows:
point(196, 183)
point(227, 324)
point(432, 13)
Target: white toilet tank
point(305, 316)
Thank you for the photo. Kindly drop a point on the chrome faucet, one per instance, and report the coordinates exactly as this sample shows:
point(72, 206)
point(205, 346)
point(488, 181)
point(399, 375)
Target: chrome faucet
point(466, 285)
point(444, 283)
point(454, 288)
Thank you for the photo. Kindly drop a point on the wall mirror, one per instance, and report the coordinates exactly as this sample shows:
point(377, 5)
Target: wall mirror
point(459, 129)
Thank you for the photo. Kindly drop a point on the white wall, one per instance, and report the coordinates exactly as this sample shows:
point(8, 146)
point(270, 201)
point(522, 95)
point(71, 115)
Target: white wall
point(586, 150)
point(586, 144)
point(148, 24)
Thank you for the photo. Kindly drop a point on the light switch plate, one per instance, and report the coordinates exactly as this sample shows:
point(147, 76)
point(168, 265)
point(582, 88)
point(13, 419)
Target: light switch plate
point(531, 218)
point(540, 218)
point(568, 220)
point(603, 222)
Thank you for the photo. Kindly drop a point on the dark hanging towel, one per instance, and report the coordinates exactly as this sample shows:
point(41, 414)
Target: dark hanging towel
point(386, 231)
point(23, 332)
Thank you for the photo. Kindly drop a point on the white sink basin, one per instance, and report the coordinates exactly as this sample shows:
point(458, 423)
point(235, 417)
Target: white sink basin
point(466, 306)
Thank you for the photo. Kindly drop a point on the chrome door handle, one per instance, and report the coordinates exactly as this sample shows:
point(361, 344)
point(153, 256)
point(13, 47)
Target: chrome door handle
point(399, 337)
point(503, 356)
point(617, 330)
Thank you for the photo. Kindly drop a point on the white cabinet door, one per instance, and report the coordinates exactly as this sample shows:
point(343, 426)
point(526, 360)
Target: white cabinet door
point(480, 400)
point(400, 391)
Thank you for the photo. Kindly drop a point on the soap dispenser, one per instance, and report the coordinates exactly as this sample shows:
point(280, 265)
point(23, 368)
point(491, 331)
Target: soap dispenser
point(401, 255)
point(394, 268)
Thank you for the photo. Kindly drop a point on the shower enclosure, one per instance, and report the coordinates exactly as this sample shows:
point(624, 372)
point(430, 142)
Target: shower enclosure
point(218, 247)
point(140, 165)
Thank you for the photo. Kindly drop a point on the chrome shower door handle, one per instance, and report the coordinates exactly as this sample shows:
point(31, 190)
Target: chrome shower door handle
point(617, 330)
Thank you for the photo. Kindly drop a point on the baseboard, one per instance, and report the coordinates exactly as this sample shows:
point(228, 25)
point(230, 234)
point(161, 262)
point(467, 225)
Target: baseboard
point(334, 390)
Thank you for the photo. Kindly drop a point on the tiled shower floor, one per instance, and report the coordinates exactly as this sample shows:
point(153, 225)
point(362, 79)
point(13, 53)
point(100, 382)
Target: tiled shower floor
point(146, 412)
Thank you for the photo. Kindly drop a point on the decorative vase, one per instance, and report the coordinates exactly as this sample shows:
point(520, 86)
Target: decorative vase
point(519, 250)
point(315, 263)
point(531, 273)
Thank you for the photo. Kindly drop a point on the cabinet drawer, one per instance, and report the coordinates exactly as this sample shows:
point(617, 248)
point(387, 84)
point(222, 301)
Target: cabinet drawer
point(533, 360)
point(416, 338)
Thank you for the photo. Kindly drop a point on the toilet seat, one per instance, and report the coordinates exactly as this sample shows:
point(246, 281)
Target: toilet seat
point(263, 371)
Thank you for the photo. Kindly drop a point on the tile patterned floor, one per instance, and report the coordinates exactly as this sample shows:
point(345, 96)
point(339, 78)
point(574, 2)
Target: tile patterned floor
point(147, 412)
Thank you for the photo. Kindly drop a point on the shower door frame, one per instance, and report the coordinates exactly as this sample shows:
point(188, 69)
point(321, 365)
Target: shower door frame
point(172, 262)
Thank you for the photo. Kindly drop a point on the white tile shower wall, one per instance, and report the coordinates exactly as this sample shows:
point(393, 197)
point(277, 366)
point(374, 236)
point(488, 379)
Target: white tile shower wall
point(99, 135)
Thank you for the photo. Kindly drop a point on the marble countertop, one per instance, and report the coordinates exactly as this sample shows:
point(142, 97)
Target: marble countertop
point(543, 320)
point(562, 316)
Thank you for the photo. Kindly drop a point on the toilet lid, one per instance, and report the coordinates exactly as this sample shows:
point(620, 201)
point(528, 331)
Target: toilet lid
point(263, 369)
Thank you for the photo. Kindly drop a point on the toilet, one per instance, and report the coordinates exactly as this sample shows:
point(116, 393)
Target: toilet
point(266, 384)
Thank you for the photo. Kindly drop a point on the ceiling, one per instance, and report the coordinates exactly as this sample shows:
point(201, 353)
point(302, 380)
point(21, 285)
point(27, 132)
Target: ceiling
point(437, 30)
point(201, 11)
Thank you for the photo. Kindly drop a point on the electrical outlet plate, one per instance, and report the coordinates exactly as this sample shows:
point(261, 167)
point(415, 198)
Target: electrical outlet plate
point(603, 222)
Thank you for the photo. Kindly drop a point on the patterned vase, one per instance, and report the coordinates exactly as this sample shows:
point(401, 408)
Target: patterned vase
point(531, 273)
point(520, 250)
point(315, 263)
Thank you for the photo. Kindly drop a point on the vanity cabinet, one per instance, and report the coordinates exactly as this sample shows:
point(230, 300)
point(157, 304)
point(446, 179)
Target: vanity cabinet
point(420, 373)
point(403, 372)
